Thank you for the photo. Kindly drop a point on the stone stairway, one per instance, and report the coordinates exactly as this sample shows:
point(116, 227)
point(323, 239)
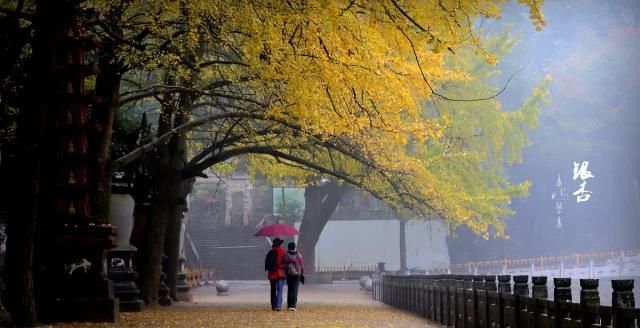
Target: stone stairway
point(234, 252)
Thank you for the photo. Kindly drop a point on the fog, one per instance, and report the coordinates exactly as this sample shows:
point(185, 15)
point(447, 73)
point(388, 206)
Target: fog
point(591, 49)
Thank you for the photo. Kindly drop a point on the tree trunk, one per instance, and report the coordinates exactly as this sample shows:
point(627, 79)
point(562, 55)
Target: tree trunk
point(20, 246)
point(23, 172)
point(107, 88)
point(172, 241)
point(157, 220)
point(167, 205)
point(403, 245)
point(320, 203)
point(24, 169)
point(155, 228)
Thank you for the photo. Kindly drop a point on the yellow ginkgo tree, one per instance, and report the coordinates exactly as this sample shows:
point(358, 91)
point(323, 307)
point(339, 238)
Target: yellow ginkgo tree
point(337, 88)
point(457, 176)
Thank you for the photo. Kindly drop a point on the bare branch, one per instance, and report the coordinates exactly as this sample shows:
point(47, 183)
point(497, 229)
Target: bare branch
point(426, 81)
point(222, 62)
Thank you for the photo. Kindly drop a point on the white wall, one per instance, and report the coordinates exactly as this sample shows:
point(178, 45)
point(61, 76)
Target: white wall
point(367, 242)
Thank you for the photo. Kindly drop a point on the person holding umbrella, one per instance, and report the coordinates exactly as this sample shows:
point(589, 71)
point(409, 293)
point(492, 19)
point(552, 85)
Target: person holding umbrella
point(275, 263)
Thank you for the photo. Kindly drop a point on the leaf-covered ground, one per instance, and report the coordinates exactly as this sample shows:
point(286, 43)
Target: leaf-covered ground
point(228, 315)
point(340, 304)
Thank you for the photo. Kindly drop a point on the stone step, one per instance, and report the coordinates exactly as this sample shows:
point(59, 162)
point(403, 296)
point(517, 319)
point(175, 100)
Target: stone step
point(234, 252)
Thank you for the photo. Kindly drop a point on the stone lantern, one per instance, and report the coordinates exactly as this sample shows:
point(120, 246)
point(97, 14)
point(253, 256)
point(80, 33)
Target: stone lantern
point(120, 258)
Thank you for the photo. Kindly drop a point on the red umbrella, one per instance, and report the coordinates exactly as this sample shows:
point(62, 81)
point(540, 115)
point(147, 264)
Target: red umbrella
point(279, 229)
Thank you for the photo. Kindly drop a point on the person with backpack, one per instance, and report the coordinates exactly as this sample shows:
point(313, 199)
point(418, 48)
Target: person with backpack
point(274, 264)
point(295, 275)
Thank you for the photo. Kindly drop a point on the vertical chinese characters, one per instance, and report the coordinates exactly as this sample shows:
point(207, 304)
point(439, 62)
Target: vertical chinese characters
point(581, 170)
point(559, 196)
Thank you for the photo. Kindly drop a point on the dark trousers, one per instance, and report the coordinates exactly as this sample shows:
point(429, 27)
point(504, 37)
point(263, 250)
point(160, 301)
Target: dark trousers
point(292, 291)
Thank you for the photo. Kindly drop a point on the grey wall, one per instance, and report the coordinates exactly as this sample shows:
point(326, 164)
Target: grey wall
point(367, 242)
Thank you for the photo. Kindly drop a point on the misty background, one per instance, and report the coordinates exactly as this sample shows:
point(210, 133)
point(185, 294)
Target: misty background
point(591, 50)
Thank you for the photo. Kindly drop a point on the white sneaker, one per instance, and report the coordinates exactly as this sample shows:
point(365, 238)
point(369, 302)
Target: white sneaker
point(292, 309)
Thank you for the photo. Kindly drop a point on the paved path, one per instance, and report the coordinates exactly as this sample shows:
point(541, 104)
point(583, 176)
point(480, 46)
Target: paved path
point(257, 292)
point(341, 304)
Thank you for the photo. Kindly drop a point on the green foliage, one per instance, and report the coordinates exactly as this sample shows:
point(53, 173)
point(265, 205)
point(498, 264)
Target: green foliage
point(288, 204)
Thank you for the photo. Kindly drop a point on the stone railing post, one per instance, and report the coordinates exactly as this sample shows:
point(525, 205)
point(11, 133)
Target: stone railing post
point(561, 294)
point(452, 287)
point(406, 289)
point(589, 296)
point(407, 292)
point(373, 289)
point(539, 289)
point(422, 295)
point(493, 302)
point(490, 283)
point(521, 285)
point(385, 289)
point(437, 298)
point(402, 289)
point(507, 307)
point(504, 284)
point(396, 291)
point(622, 298)
point(431, 298)
point(406, 282)
point(477, 287)
point(403, 292)
point(382, 283)
point(478, 282)
point(482, 301)
point(418, 293)
point(444, 289)
point(469, 302)
point(459, 309)
point(414, 294)
point(562, 289)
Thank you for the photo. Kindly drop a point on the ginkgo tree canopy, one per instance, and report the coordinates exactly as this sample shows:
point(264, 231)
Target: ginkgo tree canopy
point(360, 90)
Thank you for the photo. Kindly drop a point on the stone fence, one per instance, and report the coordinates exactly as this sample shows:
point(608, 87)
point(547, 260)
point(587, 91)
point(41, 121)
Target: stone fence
point(477, 301)
point(347, 272)
point(622, 263)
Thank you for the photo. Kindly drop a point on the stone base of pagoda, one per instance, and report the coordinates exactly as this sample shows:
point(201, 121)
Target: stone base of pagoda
point(73, 283)
point(87, 309)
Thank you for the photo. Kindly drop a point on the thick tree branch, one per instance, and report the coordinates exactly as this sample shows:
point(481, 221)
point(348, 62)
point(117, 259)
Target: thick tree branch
point(222, 62)
point(140, 151)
